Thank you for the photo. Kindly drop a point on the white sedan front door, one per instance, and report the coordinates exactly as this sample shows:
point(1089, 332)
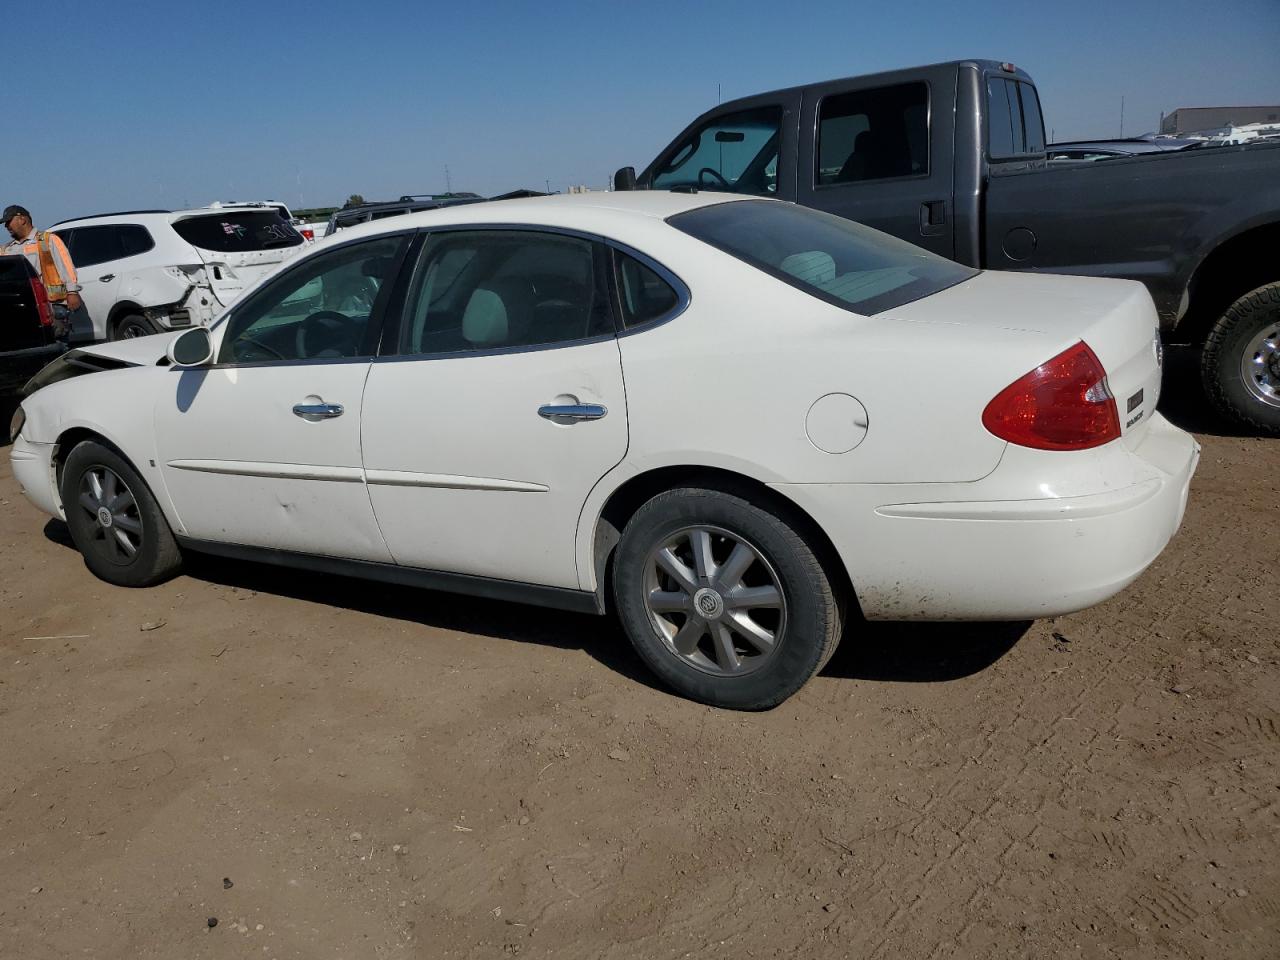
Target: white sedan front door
point(263, 448)
point(502, 408)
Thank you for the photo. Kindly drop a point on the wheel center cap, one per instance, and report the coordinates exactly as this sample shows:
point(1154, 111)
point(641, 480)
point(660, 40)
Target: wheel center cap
point(104, 516)
point(709, 603)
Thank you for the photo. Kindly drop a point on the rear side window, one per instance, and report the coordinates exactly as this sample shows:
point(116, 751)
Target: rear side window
point(1014, 125)
point(134, 239)
point(836, 260)
point(874, 135)
point(495, 289)
point(238, 231)
point(737, 152)
point(643, 295)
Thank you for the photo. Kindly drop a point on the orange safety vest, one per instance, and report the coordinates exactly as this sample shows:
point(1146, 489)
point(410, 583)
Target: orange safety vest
point(49, 272)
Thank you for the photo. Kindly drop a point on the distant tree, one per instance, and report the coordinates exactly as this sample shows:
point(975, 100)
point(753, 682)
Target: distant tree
point(355, 200)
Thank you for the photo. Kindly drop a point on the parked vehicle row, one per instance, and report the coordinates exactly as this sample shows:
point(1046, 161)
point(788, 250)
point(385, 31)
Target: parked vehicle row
point(953, 157)
point(704, 410)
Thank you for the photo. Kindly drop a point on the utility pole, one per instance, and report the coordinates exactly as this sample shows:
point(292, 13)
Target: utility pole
point(548, 183)
point(448, 184)
point(1122, 117)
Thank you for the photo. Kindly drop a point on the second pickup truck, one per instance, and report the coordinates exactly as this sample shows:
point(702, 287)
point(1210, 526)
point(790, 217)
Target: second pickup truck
point(952, 157)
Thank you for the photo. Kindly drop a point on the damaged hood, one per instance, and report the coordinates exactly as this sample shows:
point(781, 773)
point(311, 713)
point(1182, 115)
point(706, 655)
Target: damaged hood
point(97, 357)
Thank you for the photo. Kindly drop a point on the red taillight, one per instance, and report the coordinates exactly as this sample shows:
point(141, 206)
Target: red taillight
point(1063, 404)
point(307, 234)
point(42, 302)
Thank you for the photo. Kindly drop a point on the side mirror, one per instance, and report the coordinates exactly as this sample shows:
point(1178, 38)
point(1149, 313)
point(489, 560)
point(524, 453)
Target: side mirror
point(191, 348)
point(625, 179)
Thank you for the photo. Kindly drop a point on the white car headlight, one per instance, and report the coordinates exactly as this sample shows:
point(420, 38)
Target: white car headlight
point(16, 424)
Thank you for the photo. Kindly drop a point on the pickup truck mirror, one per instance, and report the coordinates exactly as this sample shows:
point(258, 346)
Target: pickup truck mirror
point(625, 179)
point(191, 348)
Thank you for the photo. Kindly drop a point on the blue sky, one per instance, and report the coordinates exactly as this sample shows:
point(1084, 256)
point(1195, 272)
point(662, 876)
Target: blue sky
point(175, 103)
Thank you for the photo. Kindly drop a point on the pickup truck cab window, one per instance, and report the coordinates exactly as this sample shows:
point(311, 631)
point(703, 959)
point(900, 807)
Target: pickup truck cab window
point(873, 134)
point(736, 152)
point(1014, 125)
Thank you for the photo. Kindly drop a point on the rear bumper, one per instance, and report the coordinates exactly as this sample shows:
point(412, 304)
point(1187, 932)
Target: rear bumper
point(19, 366)
point(1008, 559)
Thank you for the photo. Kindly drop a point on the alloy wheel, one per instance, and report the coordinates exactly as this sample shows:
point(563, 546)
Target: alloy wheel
point(715, 600)
point(116, 524)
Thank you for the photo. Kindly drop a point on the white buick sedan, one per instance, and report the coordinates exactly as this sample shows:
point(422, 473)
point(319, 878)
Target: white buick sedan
point(740, 423)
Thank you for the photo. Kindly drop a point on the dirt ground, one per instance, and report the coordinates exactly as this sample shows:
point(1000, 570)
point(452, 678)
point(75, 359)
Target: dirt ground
point(380, 772)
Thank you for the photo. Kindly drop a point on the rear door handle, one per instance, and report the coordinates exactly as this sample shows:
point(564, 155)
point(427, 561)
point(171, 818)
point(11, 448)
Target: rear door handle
point(318, 411)
point(933, 218)
point(571, 412)
point(107, 278)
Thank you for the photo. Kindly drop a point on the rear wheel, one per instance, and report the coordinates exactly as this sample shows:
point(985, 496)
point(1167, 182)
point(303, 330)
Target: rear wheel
point(114, 520)
point(725, 601)
point(132, 325)
point(1241, 360)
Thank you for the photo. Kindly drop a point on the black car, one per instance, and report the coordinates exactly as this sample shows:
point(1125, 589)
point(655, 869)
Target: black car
point(27, 342)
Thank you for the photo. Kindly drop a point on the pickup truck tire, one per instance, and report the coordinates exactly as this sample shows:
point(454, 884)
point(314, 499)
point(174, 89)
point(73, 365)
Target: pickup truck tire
point(1241, 360)
point(114, 520)
point(724, 600)
point(132, 325)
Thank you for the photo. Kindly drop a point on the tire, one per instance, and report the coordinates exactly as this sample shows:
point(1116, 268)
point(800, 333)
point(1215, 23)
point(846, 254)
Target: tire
point(132, 325)
point(136, 547)
point(685, 618)
point(1240, 363)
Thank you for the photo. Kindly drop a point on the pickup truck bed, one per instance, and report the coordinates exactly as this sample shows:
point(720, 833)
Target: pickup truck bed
point(27, 342)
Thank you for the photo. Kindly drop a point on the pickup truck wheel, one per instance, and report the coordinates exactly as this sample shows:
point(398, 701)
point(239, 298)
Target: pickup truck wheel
point(114, 520)
point(726, 602)
point(1241, 360)
point(132, 325)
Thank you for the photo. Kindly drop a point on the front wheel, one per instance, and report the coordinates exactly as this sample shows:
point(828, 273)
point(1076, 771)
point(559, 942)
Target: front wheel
point(114, 520)
point(725, 601)
point(1241, 360)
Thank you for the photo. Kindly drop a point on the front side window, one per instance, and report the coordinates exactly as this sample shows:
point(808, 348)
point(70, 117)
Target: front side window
point(238, 231)
point(321, 309)
point(874, 135)
point(834, 259)
point(737, 152)
point(494, 289)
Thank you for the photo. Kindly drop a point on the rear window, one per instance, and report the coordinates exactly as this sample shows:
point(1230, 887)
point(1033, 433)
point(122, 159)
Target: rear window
point(1014, 125)
point(834, 259)
point(238, 232)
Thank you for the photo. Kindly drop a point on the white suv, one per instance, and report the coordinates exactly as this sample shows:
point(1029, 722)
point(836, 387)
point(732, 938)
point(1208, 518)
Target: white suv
point(147, 271)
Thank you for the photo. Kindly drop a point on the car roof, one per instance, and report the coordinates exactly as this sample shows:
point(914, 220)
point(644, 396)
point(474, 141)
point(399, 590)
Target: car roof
point(168, 216)
point(583, 211)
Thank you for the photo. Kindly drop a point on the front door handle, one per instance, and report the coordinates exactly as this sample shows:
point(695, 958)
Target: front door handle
point(107, 278)
point(571, 412)
point(318, 411)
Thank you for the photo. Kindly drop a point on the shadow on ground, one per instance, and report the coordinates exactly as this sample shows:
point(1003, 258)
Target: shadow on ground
point(1183, 400)
point(914, 652)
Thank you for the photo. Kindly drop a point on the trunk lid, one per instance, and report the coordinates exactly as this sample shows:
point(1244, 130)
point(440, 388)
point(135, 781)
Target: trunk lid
point(20, 323)
point(1034, 317)
point(238, 246)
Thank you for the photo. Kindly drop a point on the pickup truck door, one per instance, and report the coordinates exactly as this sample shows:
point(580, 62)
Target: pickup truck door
point(881, 151)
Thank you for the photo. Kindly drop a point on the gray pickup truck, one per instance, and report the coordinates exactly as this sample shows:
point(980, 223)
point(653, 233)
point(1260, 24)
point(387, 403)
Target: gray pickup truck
point(952, 157)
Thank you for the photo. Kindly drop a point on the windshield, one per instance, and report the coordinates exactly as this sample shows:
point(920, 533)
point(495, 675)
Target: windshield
point(834, 259)
point(236, 231)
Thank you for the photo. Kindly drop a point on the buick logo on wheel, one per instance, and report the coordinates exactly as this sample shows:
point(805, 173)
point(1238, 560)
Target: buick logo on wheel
point(708, 603)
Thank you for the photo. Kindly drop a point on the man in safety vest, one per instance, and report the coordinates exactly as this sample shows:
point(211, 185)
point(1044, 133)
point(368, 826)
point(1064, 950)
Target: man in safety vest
point(48, 254)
